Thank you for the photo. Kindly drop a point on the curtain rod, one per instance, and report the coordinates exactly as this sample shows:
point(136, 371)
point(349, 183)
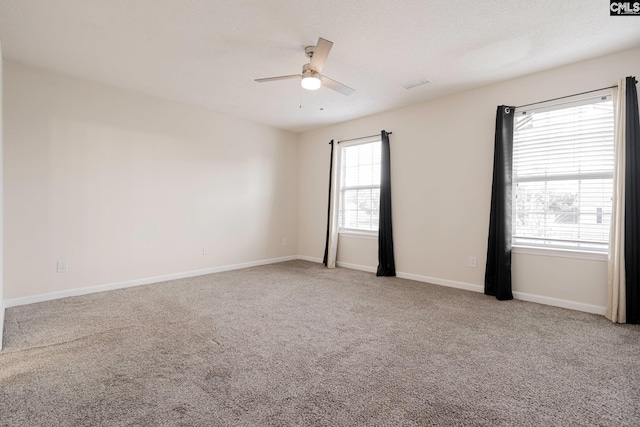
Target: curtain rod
point(361, 137)
point(568, 96)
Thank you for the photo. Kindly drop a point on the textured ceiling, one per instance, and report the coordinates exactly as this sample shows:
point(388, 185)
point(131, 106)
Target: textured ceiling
point(207, 52)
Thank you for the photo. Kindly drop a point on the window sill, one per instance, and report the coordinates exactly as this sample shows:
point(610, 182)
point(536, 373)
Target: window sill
point(369, 235)
point(562, 253)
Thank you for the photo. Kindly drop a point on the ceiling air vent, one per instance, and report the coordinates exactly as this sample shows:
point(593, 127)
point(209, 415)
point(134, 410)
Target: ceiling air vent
point(415, 83)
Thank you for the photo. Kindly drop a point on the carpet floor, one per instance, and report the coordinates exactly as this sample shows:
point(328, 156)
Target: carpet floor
point(295, 344)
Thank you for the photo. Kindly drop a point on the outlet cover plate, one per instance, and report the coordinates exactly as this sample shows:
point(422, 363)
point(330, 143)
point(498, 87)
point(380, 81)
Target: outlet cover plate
point(62, 266)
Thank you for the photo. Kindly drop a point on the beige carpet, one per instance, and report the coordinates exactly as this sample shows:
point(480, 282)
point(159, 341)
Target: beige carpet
point(297, 344)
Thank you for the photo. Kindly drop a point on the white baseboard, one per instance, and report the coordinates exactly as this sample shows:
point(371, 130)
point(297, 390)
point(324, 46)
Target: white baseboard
point(418, 278)
point(146, 281)
point(573, 305)
point(442, 282)
point(556, 302)
point(310, 258)
point(356, 267)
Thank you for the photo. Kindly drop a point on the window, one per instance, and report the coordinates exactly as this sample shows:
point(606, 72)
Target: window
point(359, 205)
point(563, 163)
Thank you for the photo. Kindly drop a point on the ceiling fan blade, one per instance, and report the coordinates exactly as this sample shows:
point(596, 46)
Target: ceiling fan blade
point(272, 79)
point(320, 54)
point(338, 87)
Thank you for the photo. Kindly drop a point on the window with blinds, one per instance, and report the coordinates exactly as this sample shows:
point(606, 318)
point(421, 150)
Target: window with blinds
point(563, 163)
point(359, 204)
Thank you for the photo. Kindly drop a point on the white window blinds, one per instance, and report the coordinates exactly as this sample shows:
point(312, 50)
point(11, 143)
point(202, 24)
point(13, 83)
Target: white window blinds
point(563, 175)
point(359, 205)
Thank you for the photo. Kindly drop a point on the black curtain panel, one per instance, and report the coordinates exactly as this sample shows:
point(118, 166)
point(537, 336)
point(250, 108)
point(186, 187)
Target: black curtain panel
point(632, 202)
point(497, 279)
point(326, 245)
point(386, 262)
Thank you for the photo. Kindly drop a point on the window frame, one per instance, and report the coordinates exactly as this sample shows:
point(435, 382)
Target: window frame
point(560, 250)
point(353, 232)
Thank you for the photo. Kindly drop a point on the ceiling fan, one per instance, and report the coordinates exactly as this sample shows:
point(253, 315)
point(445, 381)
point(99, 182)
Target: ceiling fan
point(311, 77)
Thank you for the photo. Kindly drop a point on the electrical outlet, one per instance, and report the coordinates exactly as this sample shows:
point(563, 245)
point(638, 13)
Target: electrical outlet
point(473, 262)
point(205, 251)
point(284, 242)
point(62, 266)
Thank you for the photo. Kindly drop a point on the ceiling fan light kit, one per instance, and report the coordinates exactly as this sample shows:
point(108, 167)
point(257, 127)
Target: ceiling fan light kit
point(311, 79)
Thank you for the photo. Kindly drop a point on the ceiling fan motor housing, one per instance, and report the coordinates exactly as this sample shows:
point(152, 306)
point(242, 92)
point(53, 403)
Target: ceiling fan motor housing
point(306, 68)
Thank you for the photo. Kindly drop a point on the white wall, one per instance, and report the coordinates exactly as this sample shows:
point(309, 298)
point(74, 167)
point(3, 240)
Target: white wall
point(1, 212)
point(441, 167)
point(126, 186)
